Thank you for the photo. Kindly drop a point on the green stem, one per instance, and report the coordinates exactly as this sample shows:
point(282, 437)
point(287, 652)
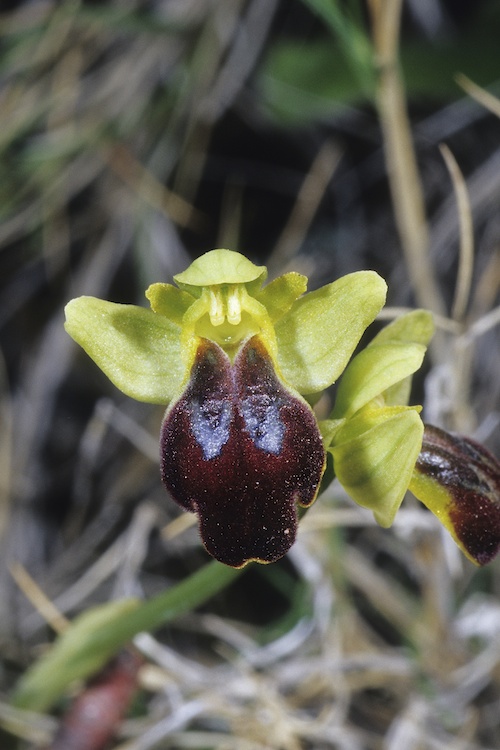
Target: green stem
point(183, 598)
point(98, 634)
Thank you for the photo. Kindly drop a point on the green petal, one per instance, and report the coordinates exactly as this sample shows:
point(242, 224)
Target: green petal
point(219, 267)
point(278, 296)
point(138, 350)
point(318, 335)
point(374, 456)
point(168, 300)
point(374, 370)
point(459, 481)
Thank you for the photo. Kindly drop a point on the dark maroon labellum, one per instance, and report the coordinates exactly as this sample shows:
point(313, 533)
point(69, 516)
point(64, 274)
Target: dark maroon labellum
point(470, 474)
point(240, 450)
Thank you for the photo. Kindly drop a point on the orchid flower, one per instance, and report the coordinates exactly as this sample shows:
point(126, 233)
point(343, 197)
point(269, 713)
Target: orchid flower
point(237, 363)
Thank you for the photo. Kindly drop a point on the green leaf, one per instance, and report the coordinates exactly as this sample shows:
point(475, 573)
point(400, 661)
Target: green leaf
point(374, 370)
point(297, 84)
point(348, 29)
point(318, 335)
point(96, 635)
point(374, 456)
point(81, 650)
point(138, 350)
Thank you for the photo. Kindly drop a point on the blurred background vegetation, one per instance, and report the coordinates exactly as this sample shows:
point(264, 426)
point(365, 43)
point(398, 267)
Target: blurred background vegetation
point(136, 135)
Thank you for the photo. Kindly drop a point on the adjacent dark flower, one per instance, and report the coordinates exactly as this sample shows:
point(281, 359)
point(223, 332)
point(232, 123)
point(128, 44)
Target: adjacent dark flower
point(459, 481)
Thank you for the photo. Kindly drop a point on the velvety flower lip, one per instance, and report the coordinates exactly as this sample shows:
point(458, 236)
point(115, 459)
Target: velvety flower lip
point(459, 480)
point(240, 449)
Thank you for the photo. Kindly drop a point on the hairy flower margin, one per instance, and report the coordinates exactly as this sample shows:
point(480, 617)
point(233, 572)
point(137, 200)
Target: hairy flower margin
point(238, 364)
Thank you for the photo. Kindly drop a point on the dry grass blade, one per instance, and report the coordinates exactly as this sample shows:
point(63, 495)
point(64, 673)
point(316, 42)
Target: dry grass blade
point(308, 198)
point(40, 601)
point(404, 178)
point(482, 96)
point(466, 255)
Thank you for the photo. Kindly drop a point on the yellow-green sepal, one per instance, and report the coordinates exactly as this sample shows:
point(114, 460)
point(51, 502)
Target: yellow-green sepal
point(138, 350)
point(374, 455)
point(220, 267)
point(318, 335)
point(414, 327)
